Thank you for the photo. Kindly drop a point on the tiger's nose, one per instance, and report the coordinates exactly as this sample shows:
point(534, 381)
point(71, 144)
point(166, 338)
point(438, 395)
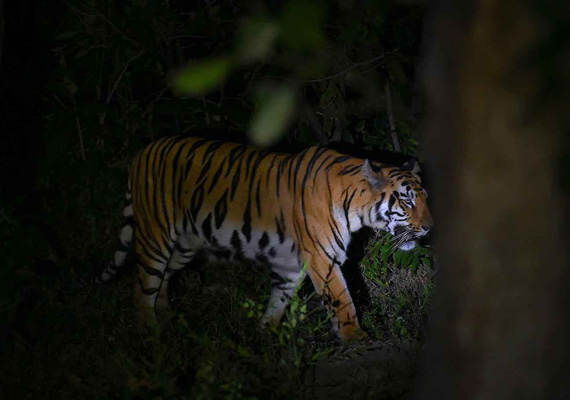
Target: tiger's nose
point(427, 222)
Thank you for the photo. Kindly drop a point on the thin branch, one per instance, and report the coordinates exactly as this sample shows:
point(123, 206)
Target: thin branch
point(315, 124)
point(79, 129)
point(390, 111)
point(338, 130)
point(59, 101)
point(121, 76)
point(339, 74)
point(99, 13)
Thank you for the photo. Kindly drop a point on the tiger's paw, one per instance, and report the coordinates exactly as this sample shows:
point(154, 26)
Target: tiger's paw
point(352, 333)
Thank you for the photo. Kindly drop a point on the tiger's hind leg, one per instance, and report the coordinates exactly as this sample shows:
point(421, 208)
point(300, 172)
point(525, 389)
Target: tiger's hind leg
point(284, 281)
point(151, 295)
point(181, 256)
point(150, 280)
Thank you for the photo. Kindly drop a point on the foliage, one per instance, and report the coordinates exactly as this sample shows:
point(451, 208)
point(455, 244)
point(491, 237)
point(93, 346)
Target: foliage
point(114, 61)
point(381, 254)
point(401, 285)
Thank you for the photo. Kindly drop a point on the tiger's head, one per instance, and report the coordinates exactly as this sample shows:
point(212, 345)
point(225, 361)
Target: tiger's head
point(397, 202)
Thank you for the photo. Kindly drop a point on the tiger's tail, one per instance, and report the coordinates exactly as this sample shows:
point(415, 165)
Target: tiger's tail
point(125, 241)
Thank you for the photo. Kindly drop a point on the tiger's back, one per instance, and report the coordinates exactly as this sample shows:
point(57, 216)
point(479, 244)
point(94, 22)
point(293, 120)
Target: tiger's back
point(232, 201)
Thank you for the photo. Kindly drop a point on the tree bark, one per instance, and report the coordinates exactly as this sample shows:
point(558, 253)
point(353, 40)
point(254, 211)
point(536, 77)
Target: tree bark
point(501, 316)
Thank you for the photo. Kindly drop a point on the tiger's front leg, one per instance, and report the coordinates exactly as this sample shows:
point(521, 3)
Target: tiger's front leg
point(330, 284)
point(284, 281)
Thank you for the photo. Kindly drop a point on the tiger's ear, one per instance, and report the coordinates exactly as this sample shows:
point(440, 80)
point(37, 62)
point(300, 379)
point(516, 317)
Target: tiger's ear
point(374, 177)
point(412, 165)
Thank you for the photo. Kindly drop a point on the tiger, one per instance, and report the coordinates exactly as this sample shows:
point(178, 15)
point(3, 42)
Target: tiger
point(292, 212)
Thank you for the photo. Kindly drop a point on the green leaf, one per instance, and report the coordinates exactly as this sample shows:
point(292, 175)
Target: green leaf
point(415, 264)
point(405, 261)
point(275, 111)
point(202, 76)
point(397, 258)
point(427, 261)
point(256, 40)
point(243, 352)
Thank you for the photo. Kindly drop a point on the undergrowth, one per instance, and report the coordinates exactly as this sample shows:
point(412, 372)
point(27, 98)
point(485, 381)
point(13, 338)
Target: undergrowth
point(65, 337)
point(400, 285)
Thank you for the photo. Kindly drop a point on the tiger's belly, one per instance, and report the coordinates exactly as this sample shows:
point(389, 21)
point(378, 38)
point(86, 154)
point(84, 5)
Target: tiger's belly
point(261, 247)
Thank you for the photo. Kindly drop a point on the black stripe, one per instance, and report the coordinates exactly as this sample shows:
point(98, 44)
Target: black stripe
point(216, 177)
point(318, 152)
point(235, 180)
point(297, 168)
point(276, 279)
point(337, 160)
point(349, 169)
point(391, 202)
point(260, 157)
point(188, 218)
point(176, 186)
point(271, 166)
point(330, 257)
point(249, 161)
point(207, 227)
point(233, 155)
point(159, 258)
point(258, 198)
point(336, 237)
point(279, 231)
point(281, 169)
point(189, 163)
point(191, 154)
point(196, 201)
point(264, 241)
point(246, 228)
point(164, 168)
point(204, 172)
point(215, 145)
point(346, 205)
point(149, 291)
point(147, 247)
point(320, 166)
point(235, 241)
point(221, 209)
point(151, 270)
point(158, 192)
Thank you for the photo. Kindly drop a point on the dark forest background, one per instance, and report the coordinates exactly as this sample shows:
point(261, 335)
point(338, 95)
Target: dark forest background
point(475, 89)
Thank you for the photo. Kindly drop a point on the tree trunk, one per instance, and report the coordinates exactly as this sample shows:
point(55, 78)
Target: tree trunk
point(501, 316)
